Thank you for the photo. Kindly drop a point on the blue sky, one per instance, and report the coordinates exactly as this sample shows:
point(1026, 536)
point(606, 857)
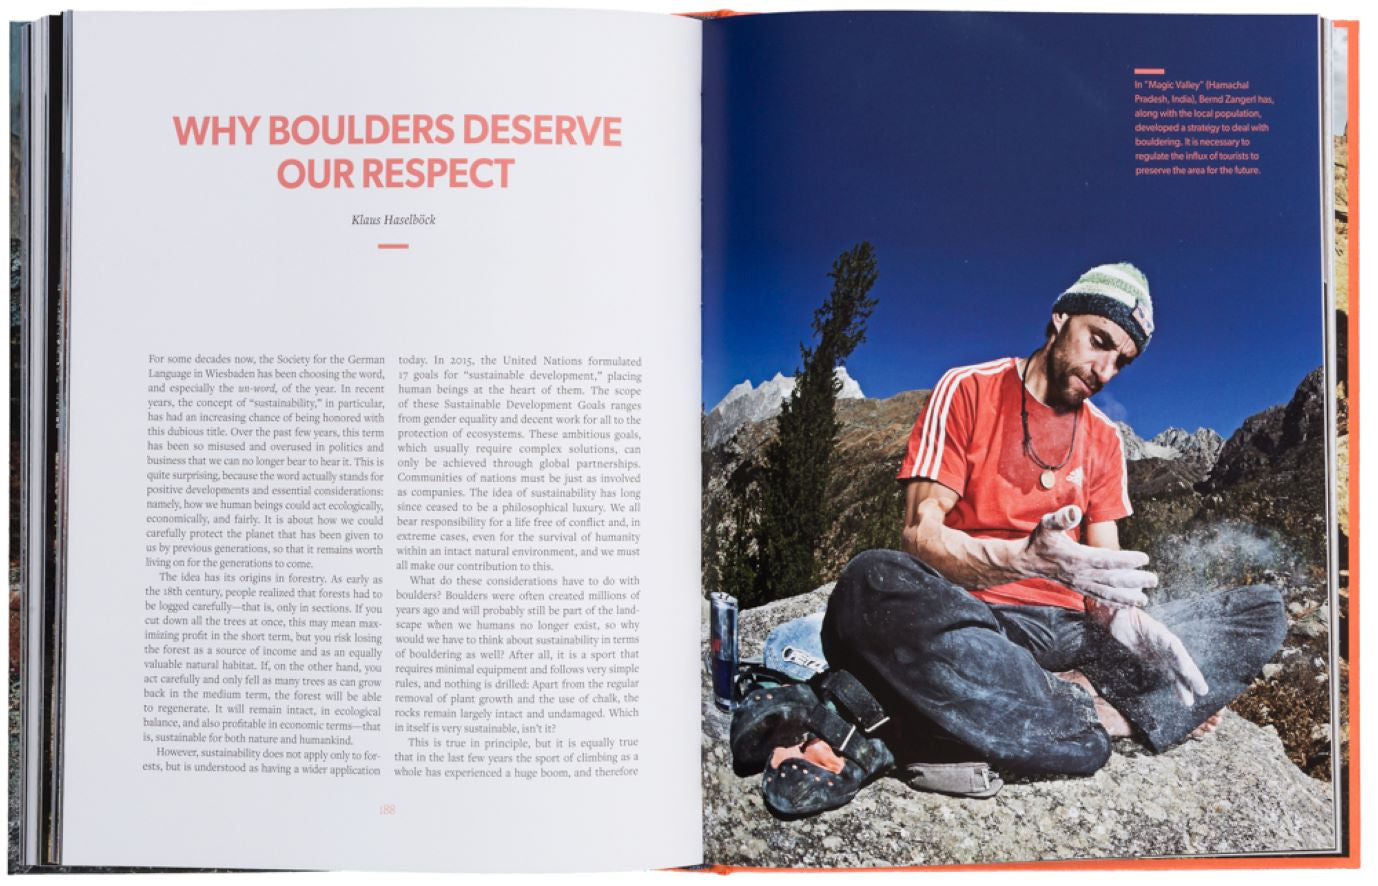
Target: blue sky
point(989, 160)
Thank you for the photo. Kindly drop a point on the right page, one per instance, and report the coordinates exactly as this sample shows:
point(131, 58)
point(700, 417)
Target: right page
point(1025, 410)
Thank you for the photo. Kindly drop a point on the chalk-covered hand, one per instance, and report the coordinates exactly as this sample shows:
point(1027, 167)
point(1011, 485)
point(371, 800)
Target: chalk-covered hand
point(1101, 573)
point(1154, 644)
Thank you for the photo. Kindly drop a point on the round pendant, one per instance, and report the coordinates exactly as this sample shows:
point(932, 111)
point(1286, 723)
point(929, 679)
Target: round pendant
point(1047, 479)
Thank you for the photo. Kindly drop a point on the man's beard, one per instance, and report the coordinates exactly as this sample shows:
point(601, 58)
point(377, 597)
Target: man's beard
point(1062, 391)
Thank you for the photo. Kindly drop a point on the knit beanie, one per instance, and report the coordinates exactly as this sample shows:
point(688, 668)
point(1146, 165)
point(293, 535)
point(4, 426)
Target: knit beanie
point(1118, 292)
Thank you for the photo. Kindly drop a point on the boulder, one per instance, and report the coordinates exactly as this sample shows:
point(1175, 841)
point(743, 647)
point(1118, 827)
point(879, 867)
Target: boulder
point(1233, 791)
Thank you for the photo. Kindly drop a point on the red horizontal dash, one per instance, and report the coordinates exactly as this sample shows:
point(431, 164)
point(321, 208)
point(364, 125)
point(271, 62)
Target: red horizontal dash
point(1150, 71)
point(394, 246)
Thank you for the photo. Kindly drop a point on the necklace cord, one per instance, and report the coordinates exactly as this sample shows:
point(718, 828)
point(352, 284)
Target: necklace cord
point(1024, 421)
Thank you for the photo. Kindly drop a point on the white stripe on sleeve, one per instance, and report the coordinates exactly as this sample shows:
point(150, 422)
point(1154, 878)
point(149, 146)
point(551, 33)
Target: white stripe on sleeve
point(1124, 464)
point(930, 454)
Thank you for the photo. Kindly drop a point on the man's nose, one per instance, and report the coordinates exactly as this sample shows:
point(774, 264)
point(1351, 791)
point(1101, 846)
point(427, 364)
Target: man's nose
point(1106, 368)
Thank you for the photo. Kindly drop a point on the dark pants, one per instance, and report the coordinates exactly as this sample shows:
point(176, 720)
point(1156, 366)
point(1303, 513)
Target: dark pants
point(961, 678)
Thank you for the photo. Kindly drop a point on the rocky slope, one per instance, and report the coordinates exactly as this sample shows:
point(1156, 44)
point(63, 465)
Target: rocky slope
point(1174, 460)
point(1234, 791)
point(1269, 475)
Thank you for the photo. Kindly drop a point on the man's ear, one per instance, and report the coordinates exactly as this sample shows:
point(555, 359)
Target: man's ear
point(1059, 320)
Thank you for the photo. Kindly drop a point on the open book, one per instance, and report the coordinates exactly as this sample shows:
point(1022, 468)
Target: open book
point(371, 486)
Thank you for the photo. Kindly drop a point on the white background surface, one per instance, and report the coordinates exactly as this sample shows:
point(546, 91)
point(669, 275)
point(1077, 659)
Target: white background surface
point(23, 9)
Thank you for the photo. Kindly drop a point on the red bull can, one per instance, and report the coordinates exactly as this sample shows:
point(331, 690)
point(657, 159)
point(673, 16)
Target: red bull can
point(722, 647)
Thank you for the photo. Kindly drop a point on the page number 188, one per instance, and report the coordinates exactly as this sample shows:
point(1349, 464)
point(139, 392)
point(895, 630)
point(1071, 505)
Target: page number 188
point(387, 809)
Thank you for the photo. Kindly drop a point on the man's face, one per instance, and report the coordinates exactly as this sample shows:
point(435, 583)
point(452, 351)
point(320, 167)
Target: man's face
point(1086, 352)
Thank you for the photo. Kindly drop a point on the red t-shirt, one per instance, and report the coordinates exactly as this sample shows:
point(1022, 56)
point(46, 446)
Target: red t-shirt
point(969, 438)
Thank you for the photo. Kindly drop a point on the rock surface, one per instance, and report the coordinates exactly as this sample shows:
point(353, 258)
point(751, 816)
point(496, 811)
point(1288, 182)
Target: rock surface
point(1281, 438)
point(1232, 792)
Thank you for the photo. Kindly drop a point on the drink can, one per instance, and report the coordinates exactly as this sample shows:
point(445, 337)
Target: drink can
point(722, 647)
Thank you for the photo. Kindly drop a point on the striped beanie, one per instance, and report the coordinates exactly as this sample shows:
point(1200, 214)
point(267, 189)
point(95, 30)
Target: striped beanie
point(1118, 292)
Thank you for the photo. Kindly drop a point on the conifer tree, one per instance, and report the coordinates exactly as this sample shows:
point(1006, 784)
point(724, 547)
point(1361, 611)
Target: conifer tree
point(794, 513)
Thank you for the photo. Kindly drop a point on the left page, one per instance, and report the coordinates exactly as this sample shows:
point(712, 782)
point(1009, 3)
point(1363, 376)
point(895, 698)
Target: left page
point(383, 374)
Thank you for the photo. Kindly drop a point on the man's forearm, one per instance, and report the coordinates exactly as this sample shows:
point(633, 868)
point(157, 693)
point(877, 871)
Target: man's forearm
point(963, 559)
point(1047, 552)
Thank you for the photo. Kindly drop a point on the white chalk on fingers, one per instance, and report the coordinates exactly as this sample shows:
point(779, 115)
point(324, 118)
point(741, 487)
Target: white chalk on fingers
point(1195, 680)
point(1063, 518)
point(1108, 558)
point(1129, 597)
point(1190, 688)
point(1125, 578)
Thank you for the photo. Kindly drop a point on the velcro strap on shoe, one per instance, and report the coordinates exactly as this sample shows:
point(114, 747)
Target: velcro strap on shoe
point(853, 699)
point(844, 737)
point(974, 779)
point(751, 675)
